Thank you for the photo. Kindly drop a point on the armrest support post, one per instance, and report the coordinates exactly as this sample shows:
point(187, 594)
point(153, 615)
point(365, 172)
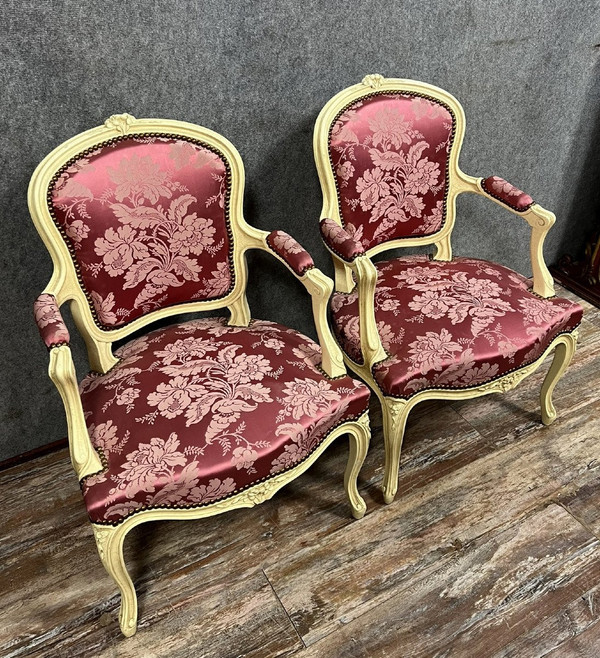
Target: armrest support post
point(318, 285)
point(320, 288)
point(84, 458)
point(349, 256)
point(540, 221)
point(370, 341)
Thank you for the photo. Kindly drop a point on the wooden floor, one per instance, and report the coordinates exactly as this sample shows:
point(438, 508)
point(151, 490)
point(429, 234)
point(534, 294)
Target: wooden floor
point(492, 548)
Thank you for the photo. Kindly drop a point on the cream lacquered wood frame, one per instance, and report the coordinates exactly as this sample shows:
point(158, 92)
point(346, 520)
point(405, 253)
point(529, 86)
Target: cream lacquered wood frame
point(395, 410)
point(64, 286)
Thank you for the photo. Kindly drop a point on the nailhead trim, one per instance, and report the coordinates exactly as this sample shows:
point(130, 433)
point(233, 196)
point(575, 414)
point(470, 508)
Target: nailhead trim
point(144, 508)
point(504, 201)
point(59, 344)
point(446, 172)
point(71, 247)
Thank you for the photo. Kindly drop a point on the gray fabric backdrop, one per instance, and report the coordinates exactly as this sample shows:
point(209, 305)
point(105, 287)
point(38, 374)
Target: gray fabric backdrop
point(259, 72)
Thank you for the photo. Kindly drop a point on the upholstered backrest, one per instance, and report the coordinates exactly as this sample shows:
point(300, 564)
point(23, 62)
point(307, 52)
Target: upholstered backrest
point(389, 148)
point(145, 219)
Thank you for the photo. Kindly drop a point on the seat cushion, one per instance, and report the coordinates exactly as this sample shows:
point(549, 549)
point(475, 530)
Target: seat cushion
point(452, 324)
point(199, 411)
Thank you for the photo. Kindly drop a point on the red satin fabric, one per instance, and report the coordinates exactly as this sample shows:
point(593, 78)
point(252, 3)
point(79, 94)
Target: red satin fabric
point(340, 241)
point(199, 411)
point(145, 220)
point(49, 321)
point(292, 252)
point(509, 194)
point(452, 324)
point(389, 154)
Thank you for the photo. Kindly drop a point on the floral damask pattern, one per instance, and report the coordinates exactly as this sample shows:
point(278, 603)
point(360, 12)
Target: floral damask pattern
point(292, 252)
point(389, 154)
point(49, 321)
point(507, 193)
point(339, 240)
point(146, 221)
point(452, 324)
point(211, 409)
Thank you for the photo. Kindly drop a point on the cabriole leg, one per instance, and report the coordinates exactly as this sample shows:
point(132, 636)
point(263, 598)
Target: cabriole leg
point(395, 413)
point(360, 435)
point(563, 353)
point(109, 541)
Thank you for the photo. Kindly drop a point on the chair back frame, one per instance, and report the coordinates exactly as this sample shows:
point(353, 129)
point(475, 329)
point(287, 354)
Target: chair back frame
point(65, 285)
point(377, 84)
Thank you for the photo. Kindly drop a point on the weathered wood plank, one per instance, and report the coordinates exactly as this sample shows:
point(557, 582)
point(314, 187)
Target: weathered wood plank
point(582, 499)
point(586, 645)
point(328, 584)
point(491, 592)
point(556, 629)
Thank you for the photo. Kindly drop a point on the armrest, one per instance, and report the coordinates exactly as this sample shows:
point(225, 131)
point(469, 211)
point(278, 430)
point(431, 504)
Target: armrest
point(339, 241)
point(61, 370)
point(319, 286)
point(291, 252)
point(348, 249)
point(49, 321)
point(506, 193)
point(519, 203)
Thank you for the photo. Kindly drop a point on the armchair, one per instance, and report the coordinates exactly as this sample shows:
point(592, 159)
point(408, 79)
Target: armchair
point(421, 327)
point(143, 220)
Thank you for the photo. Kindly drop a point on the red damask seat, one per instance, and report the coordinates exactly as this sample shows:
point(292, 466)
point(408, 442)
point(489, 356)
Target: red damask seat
point(452, 325)
point(143, 219)
point(215, 409)
point(422, 327)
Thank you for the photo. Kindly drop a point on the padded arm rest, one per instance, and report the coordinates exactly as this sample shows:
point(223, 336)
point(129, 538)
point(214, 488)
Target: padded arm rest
point(506, 193)
point(49, 321)
point(291, 252)
point(518, 203)
point(339, 241)
point(319, 286)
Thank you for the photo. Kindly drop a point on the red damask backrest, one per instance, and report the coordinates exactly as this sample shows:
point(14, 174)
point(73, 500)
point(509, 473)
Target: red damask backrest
point(145, 218)
point(390, 148)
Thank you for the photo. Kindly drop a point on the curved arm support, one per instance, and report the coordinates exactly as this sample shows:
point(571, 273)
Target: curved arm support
point(320, 288)
point(538, 218)
point(84, 458)
point(370, 341)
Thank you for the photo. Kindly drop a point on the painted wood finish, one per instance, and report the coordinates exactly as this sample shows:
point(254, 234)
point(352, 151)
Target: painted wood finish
point(491, 548)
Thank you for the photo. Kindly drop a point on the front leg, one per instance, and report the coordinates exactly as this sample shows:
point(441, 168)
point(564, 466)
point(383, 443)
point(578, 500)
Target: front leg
point(563, 353)
point(395, 413)
point(109, 541)
point(360, 435)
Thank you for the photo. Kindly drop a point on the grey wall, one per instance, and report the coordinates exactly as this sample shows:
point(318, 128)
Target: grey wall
point(259, 72)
